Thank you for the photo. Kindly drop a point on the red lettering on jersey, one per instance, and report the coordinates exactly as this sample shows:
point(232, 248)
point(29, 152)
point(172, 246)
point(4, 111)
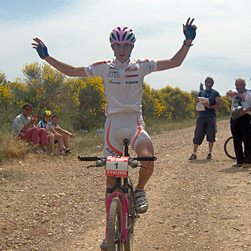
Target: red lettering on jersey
point(131, 69)
point(132, 76)
point(142, 61)
point(101, 62)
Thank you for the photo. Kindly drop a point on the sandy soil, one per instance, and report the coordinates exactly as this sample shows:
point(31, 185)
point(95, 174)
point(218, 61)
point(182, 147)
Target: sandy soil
point(193, 205)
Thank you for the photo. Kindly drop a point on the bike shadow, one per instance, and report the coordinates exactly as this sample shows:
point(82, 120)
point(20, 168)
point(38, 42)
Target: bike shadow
point(226, 170)
point(235, 170)
point(200, 161)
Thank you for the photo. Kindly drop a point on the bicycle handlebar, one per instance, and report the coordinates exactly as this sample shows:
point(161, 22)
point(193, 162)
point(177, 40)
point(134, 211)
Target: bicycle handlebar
point(144, 158)
point(131, 158)
point(88, 158)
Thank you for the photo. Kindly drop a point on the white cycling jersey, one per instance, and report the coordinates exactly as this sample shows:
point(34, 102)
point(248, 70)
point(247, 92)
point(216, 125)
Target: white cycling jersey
point(123, 82)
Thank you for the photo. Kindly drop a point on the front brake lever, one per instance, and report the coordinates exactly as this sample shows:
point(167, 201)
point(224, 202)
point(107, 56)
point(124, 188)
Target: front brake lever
point(142, 166)
point(91, 166)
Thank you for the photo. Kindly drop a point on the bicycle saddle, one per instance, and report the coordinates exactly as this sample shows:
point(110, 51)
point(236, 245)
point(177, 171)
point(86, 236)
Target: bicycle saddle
point(124, 133)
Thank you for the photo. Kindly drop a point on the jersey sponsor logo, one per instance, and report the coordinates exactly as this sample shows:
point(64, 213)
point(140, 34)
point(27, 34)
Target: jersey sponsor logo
point(132, 76)
point(132, 82)
point(113, 82)
point(113, 73)
point(131, 69)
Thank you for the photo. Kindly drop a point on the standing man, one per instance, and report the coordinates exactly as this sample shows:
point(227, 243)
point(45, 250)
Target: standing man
point(23, 126)
point(240, 127)
point(123, 84)
point(206, 123)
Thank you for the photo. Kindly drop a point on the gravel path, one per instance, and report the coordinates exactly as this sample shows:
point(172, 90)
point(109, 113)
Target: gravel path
point(193, 205)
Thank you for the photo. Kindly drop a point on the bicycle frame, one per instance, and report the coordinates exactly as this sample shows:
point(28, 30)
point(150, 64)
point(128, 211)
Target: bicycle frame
point(122, 195)
point(123, 189)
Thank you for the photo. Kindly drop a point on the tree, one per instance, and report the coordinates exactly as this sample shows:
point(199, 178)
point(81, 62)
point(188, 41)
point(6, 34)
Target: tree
point(201, 87)
point(44, 86)
point(179, 103)
point(91, 105)
point(150, 103)
point(225, 106)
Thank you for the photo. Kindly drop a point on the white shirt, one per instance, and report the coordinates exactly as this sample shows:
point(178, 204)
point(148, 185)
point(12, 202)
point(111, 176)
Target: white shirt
point(19, 122)
point(123, 82)
point(244, 104)
point(48, 126)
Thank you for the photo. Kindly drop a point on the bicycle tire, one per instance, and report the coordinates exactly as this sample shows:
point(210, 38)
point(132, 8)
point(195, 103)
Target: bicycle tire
point(131, 219)
point(114, 237)
point(229, 148)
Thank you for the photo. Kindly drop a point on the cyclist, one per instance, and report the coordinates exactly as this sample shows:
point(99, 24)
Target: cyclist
point(123, 85)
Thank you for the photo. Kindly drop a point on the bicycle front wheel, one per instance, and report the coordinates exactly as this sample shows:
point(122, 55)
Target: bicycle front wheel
point(229, 148)
point(114, 238)
point(130, 220)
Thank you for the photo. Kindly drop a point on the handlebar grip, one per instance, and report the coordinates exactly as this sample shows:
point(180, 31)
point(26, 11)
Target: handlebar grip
point(145, 158)
point(88, 158)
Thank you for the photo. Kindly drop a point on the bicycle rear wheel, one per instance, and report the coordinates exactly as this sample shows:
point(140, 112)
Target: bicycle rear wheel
point(114, 238)
point(229, 148)
point(130, 220)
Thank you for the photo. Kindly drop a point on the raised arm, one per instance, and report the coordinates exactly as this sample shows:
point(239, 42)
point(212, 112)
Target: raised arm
point(62, 67)
point(232, 94)
point(190, 32)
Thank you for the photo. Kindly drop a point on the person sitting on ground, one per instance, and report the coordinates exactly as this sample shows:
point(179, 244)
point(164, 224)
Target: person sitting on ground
point(65, 134)
point(23, 127)
point(51, 134)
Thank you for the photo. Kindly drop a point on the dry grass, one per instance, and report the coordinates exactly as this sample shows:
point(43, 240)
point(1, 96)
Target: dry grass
point(83, 144)
point(12, 147)
point(87, 144)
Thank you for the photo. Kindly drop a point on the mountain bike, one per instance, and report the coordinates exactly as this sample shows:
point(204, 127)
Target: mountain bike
point(121, 213)
point(229, 148)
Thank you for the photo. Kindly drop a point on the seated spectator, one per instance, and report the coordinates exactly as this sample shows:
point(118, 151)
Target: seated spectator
point(23, 127)
point(51, 134)
point(65, 134)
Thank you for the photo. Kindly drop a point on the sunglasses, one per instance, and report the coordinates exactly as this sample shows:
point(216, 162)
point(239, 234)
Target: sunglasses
point(209, 86)
point(27, 109)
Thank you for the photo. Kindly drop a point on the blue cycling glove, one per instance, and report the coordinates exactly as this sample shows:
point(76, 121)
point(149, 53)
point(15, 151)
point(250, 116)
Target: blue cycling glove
point(42, 51)
point(190, 32)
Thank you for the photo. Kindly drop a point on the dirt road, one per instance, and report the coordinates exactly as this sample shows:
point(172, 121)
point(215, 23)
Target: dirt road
point(194, 205)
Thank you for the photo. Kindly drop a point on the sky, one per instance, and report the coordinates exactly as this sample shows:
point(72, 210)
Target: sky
point(77, 31)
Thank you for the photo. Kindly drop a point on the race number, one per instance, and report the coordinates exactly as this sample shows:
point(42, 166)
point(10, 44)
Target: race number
point(117, 167)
